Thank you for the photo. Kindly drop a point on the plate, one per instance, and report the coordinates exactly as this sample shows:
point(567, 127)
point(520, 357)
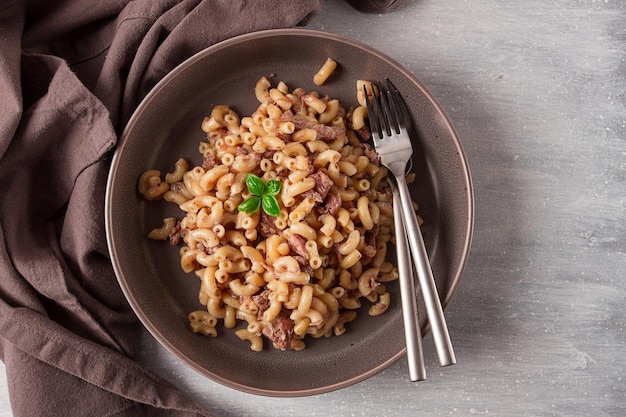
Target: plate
point(166, 126)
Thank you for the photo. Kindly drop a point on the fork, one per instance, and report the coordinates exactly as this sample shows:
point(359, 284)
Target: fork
point(412, 331)
point(388, 121)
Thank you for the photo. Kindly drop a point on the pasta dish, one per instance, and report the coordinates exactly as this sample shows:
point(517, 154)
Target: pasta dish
point(285, 222)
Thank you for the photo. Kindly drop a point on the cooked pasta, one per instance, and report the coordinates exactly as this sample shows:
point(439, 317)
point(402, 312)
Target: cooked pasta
point(303, 270)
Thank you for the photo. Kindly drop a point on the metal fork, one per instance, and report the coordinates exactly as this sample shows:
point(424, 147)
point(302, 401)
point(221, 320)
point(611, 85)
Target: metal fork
point(387, 118)
point(412, 331)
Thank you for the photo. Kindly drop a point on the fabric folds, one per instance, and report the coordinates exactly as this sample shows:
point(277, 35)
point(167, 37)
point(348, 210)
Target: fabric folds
point(71, 74)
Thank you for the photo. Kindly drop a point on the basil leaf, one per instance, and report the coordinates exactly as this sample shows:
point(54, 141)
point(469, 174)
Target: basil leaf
point(255, 185)
point(273, 187)
point(270, 205)
point(250, 205)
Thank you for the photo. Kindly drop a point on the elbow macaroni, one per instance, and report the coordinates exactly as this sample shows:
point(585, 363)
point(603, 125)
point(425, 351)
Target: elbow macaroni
point(324, 72)
point(323, 255)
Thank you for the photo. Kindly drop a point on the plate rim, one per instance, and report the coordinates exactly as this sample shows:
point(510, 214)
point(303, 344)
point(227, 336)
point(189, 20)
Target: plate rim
point(454, 279)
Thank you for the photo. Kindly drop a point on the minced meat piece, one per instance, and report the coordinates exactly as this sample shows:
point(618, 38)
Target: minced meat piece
point(280, 330)
point(323, 183)
point(267, 225)
point(297, 244)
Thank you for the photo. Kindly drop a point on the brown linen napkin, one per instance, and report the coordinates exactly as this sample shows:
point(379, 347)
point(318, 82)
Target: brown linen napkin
point(71, 74)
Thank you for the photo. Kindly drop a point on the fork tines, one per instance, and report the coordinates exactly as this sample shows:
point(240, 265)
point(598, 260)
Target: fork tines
point(385, 108)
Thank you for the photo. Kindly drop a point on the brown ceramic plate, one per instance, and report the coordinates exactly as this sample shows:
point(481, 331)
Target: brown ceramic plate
point(166, 126)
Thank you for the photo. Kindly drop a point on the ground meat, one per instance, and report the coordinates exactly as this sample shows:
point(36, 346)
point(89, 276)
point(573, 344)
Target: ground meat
point(267, 225)
point(332, 204)
point(304, 264)
point(178, 187)
point(262, 301)
point(210, 250)
point(368, 247)
point(385, 195)
point(297, 105)
point(324, 132)
point(301, 259)
point(241, 151)
point(297, 244)
point(175, 234)
point(364, 133)
point(369, 251)
point(369, 152)
point(280, 330)
point(287, 116)
point(323, 183)
point(313, 195)
point(285, 137)
point(268, 154)
point(209, 161)
point(342, 112)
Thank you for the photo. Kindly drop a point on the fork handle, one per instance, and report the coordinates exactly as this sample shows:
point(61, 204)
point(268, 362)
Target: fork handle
point(441, 337)
point(412, 330)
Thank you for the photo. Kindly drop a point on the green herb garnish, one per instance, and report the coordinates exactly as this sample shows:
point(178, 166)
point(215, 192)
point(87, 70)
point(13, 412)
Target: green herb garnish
point(263, 195)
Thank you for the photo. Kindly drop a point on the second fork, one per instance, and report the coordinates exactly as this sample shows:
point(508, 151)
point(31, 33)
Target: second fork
point(393, 144)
